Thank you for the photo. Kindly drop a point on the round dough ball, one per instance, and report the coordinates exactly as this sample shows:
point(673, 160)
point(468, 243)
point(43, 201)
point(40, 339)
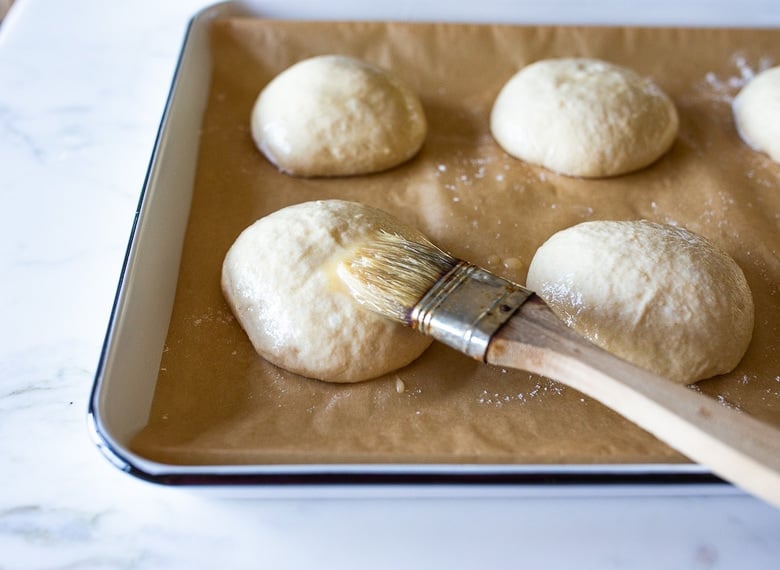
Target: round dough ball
point(757, 113)
point(583, 117)
point(279, 278)
point(658, 296)
point(337, 116)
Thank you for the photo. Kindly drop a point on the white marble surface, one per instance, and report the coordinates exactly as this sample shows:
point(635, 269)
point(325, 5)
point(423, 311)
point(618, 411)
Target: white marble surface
point(82, 88)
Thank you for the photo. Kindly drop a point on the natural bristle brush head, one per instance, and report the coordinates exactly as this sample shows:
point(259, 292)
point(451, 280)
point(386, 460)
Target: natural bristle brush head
point(389, 274)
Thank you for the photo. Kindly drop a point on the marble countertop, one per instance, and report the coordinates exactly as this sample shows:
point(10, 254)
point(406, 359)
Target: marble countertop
point(82, 88)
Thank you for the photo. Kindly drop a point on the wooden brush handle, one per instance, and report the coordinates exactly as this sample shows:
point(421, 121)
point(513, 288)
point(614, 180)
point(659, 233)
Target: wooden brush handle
point(733, 445)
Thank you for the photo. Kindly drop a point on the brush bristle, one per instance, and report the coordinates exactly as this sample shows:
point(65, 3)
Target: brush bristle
point(389, 274)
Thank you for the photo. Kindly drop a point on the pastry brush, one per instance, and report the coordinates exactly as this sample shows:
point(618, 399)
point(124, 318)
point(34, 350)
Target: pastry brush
point(499, 322)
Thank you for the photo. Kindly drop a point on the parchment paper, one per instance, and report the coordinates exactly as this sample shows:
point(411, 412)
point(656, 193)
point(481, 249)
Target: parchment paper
point(216, 401)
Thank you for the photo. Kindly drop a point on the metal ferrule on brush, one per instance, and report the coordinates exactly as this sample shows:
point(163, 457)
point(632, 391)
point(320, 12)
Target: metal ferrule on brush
point(466, 307)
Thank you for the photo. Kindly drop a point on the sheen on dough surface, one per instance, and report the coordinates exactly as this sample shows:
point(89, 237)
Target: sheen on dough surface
point(333, 115)
point(656, 295)
point(757, 113)
point(583, 117)
point(279, 280)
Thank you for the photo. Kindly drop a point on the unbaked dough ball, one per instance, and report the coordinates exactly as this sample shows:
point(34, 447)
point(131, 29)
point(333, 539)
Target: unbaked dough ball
point(583, 117)
point(337, 116)
point(757, 113)
point(658, 296)
point(279, 278)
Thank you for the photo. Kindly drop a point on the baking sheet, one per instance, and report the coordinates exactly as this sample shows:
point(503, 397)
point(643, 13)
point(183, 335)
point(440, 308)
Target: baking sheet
point(217, 402)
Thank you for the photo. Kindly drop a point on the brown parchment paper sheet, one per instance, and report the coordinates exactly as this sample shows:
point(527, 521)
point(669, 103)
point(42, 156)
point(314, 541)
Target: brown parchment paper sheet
point(216, 401)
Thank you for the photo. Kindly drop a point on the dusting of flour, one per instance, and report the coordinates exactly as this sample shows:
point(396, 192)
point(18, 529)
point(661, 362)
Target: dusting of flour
point(723, 89)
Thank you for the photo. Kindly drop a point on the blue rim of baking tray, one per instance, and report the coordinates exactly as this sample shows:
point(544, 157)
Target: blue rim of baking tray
point(333, 475)
point(443, 475)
